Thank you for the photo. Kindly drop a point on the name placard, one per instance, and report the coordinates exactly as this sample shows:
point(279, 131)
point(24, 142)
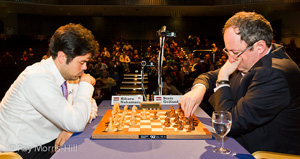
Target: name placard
point(127, 100)
point(167, 99)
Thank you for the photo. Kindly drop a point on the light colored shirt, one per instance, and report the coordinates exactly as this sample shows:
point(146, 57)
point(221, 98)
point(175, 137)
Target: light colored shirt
point(34, 111)
point(124, 58)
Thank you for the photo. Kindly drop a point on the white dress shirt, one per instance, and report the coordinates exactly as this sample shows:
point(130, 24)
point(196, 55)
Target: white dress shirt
point(34, 111)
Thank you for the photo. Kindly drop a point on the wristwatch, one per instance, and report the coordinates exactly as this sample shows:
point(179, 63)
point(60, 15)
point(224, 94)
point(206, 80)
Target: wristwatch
point(222, 82)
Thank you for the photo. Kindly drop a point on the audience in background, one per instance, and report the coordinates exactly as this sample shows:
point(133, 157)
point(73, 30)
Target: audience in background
point(183, 65)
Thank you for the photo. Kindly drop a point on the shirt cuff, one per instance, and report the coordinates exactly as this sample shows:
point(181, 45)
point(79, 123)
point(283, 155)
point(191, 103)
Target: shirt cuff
point(198, 85)
point(220, 86)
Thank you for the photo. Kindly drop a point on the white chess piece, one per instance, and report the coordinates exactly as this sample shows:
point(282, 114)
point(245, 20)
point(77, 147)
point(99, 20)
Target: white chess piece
point(144, 114)
point(110, 125)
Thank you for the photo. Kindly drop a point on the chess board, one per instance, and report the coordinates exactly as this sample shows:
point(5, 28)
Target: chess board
point(149, 128)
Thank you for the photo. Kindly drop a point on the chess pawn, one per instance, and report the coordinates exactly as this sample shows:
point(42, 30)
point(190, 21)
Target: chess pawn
point(144, 114)
point(176, 120)
point(120, 126)
point(110, 125)
point(147, 97)
point(125, 109)
point(116, 120)
point(186, 120)
point(167, 122)
point(155, 115)
point(168, 114)
point(179, 107)
point(180, 125)
point(133, 119)
point(192, 123)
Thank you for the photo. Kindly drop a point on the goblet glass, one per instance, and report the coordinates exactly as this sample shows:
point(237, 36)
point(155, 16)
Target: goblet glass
point(221, 122)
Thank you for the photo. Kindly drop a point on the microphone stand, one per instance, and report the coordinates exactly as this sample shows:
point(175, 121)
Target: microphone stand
point(162, 36)
point(142, 80)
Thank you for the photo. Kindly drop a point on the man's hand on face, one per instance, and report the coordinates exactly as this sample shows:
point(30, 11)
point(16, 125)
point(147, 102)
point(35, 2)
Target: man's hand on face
point(88, 78)
point(228, 68)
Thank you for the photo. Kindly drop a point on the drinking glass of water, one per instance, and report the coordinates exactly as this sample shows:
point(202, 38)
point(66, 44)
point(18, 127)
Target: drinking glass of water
point(221, 122)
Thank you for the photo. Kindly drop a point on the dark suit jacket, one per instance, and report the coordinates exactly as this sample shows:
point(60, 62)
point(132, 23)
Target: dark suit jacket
point(265, 106)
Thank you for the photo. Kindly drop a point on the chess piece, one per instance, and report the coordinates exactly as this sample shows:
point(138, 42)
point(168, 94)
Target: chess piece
point(191, 119)
point(110, 125)
point(167, 122)
point(179, 108)
point(155, 115)
point(168, 114)
point(180, 125)
point(126, 109)
point(172, 111)
point(176, 120)
point(133, 119)
point(147, 97)
point(113, 116)
point(120, 126)
point(152, 97)
point(181, 117)
point(116, 119)
point(134, 108)
point(186, 121)
point(144, 117)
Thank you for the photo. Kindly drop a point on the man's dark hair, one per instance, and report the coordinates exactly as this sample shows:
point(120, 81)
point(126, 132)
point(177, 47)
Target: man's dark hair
point(252, 27)
point(74, 40)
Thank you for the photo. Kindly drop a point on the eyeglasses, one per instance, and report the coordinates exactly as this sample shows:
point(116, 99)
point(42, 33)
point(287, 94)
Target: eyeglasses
point(237, 54)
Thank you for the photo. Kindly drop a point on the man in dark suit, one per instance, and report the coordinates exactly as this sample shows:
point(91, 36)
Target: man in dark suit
point(259, 85)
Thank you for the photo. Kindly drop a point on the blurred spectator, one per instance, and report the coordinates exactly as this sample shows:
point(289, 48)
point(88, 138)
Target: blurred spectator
point(136, 56)
point(197, 68)
point(186, 68)
point(168, 68)
point(168, 89)
point(207, 44)
point(292, 45)
point(108, 82)
point(168, 55)
point(221, 61)
point(116, 45)
point(129, 47)
point(98, 93)
point(198, 45)
point(90, 68)
point(215, 52)
point(207, 63)
point(105, 55)
point(116, 54)
point(113, 74)
point(125, 60)
point(30, 52)
point(191, 59)
point(7, 59)
point(148, 54)
point(181, 57)
point(99, 67)
point(26, 58)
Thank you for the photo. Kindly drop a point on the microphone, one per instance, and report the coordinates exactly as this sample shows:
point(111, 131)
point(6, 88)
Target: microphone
point(143, 63)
